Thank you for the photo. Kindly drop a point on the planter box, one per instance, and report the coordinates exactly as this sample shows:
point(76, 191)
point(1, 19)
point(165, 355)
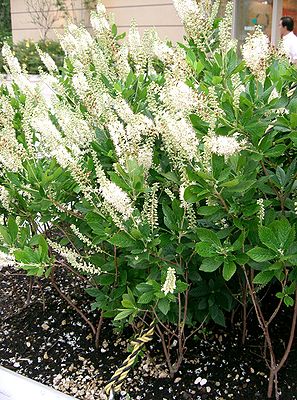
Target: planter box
point(16, 387)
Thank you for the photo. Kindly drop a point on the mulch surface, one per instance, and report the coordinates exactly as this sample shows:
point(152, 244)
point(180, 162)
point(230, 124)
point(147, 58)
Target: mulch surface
point(45, 339)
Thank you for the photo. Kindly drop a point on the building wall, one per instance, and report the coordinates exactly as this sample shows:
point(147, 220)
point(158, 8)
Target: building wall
point(23, 26)
point(147, 13)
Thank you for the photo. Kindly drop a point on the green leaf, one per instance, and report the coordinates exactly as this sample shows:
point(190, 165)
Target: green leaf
point(26, 256)
point(164, 306)
point(12, 228)
point(6, 236)
point(195, 193)
point(229, 270)
point(208, 236)
point(42, 243)
point(127, 303)
point(169, 217)
point(259, 254)
point(208, 210)
point(285, 233)
point(205, 249)
point(217, 315)
point(105, 279)
point(146, 298)
point(263, 277)
point(181, 286)
point(268, 237)
point(211, 264)
point(123, 314)
point(93, 291)
point(276, 151)
point(293, 120)
point(289, 302)
point(122, 239)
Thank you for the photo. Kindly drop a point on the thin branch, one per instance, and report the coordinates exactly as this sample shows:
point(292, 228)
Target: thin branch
point(70, 302)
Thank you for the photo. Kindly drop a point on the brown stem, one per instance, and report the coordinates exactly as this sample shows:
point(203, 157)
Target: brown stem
point(64, 209)
point(42, 295)
point(116, 264)
point(70, 302)
point(220, 197)
point(274, 314)
point(81, 277)
point(244, 312)
point(29, 294)
point(98, 331)
point(166, 352)
point(163, 325)
point(292, 335)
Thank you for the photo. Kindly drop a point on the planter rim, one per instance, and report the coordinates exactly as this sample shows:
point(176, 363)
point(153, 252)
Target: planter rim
point(14, 386)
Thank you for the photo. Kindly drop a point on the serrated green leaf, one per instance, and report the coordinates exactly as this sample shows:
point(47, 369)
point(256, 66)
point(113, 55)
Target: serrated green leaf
point(276, 151)
point(211, 264)
point(164, 306)
point(181, 286)
point(259, 254)
point(229, 270)
point(122, 239)
point(263, 277)
point(105, 279)
point(208, 210)
point(289, 302)
point(207, 235)
point(217, 315)
point(268, 237)
point(205, 249)
point(146, 298)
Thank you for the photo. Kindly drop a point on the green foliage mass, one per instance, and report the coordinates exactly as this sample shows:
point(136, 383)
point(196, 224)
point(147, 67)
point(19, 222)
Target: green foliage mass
point(25, 51)
point(5, 20)
point(221, 220)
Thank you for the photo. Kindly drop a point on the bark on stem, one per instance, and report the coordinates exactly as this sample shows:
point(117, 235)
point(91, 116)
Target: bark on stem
point(70, 302)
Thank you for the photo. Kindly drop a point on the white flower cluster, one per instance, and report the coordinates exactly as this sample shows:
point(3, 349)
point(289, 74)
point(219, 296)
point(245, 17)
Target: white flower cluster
point(6, 260)
point(12, 153)
point(197, 17)
point(238, 88)
point(47, 60)
point(50, 139)
point(76, 42)
point(113, 195)
point(224, 145)
point(170, 281)
point(15, 69)
point(186, 8)
point(225, 30)
point(117, 198)
point(99, 20)
point(133, 136)
point(76, 131)
point(256, 51)
point(74, 259)
point(150, 207)
point(179, 137)
point(178, 97)
point(85, 239)
point(261, 212)
point(5, 199)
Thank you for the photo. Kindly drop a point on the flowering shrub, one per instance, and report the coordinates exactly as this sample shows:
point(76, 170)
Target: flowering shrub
point(164, 173)
point(27, 54)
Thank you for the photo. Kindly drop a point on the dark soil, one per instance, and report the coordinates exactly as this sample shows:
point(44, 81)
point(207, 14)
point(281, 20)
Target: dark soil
point(46, 340)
